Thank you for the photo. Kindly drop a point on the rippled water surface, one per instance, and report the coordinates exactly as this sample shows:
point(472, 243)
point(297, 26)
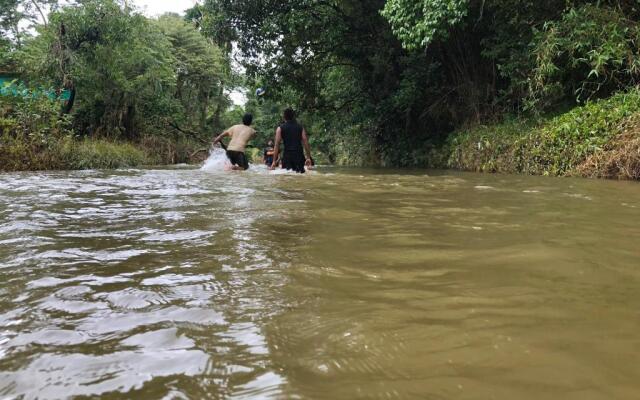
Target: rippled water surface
point(341, 284)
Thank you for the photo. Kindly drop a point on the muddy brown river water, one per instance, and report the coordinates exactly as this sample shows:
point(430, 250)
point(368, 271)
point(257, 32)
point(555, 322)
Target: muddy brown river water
point(342, 284)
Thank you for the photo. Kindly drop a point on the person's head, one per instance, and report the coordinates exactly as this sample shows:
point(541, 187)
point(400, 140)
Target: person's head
point(247, 119)
point(288, 114)
point(270, 143)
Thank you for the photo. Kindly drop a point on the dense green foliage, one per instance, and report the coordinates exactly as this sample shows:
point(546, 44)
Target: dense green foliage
point(131, 78)
point(33, 136)
point(563, 145)
point(417, 23)
point(599, 45)
point(374, 81)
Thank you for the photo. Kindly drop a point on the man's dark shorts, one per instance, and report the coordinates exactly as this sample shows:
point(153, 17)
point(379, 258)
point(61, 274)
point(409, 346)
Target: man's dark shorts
point(238, 158)
point(293, 161)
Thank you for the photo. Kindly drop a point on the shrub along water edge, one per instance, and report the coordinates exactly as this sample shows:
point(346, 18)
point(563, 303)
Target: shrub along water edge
point(20, 154)
point(598, 139)
point(67, 153)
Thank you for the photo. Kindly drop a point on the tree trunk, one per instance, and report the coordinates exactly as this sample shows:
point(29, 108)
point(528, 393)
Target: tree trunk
point(37, 6)
point(68, 105)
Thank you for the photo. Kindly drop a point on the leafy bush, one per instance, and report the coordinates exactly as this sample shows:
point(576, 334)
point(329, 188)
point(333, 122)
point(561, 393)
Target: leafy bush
point(553, 146)
point(353, 148)
point(590, 52)
point(20, 154)
point(35, 136)
point(417, 23)
point(29, 126)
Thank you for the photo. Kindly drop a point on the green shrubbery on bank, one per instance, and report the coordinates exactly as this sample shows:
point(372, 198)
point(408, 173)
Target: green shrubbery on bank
point(392, 79)
point(21, 154)
point(599, 139)
point(68, 152)
point(138, 90)
point(92, 154)
point(391, 83)
point(35, 136)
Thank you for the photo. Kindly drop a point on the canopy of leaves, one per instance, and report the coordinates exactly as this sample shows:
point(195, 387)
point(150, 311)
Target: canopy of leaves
point(391, 76)
point(371, 79)
point(130, 75)
point(201, 69)
point(417, 22)
point(590, 52)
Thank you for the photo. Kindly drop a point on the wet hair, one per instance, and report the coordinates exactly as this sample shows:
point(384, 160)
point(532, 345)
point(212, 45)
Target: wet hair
point(247, 119)
point(289, 115)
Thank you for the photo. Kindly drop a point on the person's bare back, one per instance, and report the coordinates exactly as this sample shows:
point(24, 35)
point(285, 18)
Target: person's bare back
point(240, 136)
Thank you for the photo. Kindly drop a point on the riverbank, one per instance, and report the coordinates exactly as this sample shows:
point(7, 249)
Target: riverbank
point(68, 153)
point(599, 140)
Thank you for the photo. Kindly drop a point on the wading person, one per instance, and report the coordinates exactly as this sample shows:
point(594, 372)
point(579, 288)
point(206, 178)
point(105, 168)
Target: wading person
point(296, 143)
point(240, 136)
point(267, 156)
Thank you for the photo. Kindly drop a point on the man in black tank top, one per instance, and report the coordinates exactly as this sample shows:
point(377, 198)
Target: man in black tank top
point(295, 140)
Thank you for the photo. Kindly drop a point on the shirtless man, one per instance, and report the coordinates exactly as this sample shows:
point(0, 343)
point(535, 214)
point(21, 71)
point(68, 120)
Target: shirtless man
point(240, 136)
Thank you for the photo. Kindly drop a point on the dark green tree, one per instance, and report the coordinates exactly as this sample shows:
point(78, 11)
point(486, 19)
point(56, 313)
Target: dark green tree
point(201, 69)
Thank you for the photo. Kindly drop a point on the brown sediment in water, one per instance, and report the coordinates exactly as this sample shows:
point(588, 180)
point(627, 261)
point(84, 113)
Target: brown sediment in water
point(341, 284)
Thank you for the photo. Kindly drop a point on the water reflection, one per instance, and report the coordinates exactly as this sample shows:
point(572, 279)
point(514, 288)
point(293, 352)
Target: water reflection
point(340, 284)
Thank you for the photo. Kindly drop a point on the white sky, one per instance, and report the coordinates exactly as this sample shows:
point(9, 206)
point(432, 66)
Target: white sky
point(153, 8)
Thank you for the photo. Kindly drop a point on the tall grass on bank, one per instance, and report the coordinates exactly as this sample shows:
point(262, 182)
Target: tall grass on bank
point(596, 139)
point(102, 154)
point(162, 150)
point(620, 157)
point(21, 154)
point(35, 136)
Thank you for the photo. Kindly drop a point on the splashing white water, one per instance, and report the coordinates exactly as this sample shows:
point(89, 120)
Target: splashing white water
point(217, 161)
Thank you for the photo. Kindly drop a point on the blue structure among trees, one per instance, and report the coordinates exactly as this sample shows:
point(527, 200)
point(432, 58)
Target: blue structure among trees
point(10, 85)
